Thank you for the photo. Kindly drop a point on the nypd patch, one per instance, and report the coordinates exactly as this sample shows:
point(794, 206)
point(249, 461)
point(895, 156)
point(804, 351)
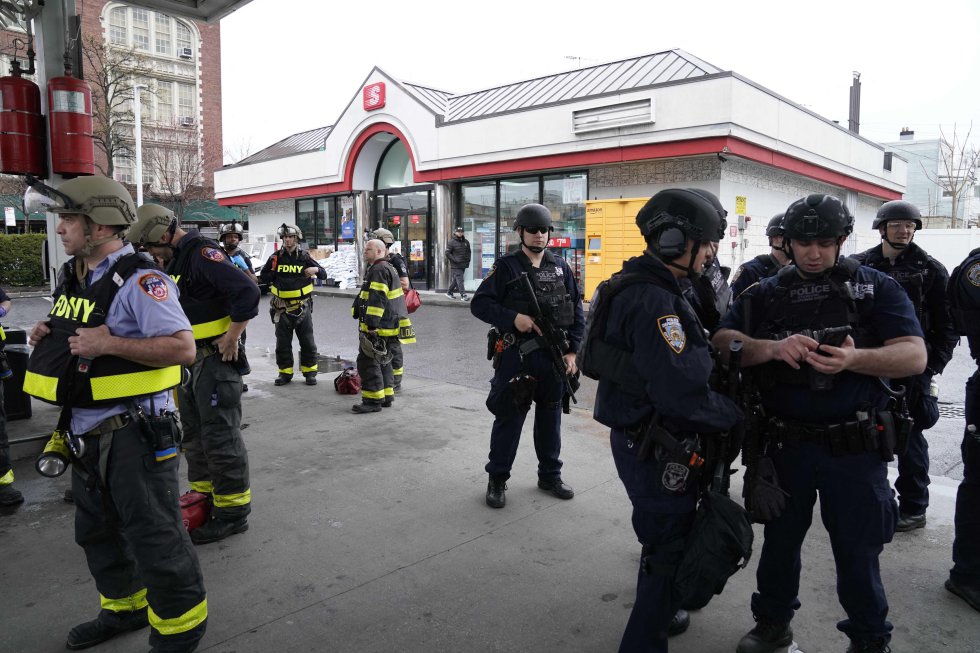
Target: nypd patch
point(673, 332)
point(212, 254)
point(154, 286)
point(973, 274)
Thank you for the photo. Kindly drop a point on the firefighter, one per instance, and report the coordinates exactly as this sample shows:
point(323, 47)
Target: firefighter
point(109, 353)
point(290, 273)
point(230, 235)
point(398, 262)
point(219, 301)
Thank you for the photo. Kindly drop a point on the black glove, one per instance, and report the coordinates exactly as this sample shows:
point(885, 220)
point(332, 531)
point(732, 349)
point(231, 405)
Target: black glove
point(764, 499)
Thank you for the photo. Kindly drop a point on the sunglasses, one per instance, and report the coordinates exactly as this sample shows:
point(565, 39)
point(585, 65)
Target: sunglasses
point(537, 230)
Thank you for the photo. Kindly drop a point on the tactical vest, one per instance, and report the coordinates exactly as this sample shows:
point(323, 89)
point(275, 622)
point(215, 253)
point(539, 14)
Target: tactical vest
point(210, 316)
point(549, 286)
point(770, 267)
point(56, 376)
point(290, 282)
point(798, 304)
point(966, 316)
point(915, 275)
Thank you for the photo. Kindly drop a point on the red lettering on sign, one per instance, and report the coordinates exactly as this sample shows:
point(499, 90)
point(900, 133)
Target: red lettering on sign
point(560, 242)
point(396, 219)
point(415, 219)
point(374, 96)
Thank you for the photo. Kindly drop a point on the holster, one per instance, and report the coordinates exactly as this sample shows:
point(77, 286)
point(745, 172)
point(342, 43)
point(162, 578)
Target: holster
point(679, 461)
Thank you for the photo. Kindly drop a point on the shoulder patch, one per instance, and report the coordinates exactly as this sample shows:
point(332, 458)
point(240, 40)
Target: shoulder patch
point(154, 286)
point(493, 268)
point(973, 274)
point(738, 273)
point(212, 254)
point(673, 332)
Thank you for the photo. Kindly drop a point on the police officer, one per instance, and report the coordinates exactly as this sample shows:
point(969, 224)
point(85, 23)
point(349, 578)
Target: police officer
point(109, 352)
point(825, 405)
point(523, 368)
point(924, 279)
point(9, 495)
point(397, 261)
point(382, 316)
point(964, 577)
point(708, 293)
point(290, 273)
point(763, 265)
point(230, 235)
point(219, 301)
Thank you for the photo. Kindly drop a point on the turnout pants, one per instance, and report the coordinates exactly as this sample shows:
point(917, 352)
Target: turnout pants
point(211, 417)
point(397, 361)
point(377, 379)
point(966, 543)
point(134, 540)
point(302, 326)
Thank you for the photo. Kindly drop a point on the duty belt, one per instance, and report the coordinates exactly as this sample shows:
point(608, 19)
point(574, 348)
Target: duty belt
point(852, 436)
point(205, 350)
point(109, 425)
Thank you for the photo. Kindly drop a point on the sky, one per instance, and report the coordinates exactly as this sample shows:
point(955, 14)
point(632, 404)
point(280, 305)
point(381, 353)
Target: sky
point(293, 65)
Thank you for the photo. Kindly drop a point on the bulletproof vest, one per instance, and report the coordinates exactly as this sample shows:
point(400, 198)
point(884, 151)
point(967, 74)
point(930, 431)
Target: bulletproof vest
point(914, 274)
point(770, 267)
point(209, 313)
point(965, 311)
point(56, 376)
point(290, 282)
point(549, 288)
point(797, 304)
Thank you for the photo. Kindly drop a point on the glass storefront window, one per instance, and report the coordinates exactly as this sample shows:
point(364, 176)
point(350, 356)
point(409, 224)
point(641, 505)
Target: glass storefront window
point(565, 196)
point(480, 228)
point(306, 219)
point(325, 222)
point(514, 193)
point(345, 216)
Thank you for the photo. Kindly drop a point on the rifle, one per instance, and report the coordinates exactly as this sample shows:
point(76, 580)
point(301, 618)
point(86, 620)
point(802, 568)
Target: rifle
point(553, 336)
point(733, 385)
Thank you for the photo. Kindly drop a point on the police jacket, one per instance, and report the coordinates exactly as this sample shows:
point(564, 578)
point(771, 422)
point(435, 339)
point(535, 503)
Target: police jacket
point(501, 297)
point(398, 262)
point(669, 351)
point(924, 279)
point(458, 252)
point(964, 298)
point(380, 305)
point(56, 376)
point(760, 267)
point(284, 274)
point(708, 294)
point(870, 302)
point(213, 291)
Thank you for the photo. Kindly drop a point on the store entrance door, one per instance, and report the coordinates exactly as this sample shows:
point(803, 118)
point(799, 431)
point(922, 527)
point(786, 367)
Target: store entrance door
point(411, 229)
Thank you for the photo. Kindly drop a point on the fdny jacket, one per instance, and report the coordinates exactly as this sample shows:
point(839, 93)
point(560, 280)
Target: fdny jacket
point(380, 305)
point(499, 298)
point(284, 274)
point(213, 291)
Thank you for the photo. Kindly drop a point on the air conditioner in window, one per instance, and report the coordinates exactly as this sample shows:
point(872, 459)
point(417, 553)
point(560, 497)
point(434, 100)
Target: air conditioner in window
point(185, 53)
point(186, 121)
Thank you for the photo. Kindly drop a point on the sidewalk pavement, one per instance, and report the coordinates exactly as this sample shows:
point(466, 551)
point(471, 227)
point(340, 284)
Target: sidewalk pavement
point(369, 533)
point(428, 297)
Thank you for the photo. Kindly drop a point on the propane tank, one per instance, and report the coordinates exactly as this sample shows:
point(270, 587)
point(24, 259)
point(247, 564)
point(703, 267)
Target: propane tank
point(21, 128)
point(70, 121)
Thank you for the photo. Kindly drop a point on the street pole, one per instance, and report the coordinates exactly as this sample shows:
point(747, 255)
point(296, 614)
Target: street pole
point(138, 134)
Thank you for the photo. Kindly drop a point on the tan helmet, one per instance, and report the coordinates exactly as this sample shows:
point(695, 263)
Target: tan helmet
point(384, 236)
point(105, 201)
point(152, 222)
point(289, 230)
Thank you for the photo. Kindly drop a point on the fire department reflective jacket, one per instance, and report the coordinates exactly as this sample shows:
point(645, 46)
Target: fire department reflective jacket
point(284, 274)
point(381, 303)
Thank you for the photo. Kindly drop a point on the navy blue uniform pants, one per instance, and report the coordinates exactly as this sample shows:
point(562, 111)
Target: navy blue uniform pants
point(858, 510)
point(660, 521)
point(509, 420)
point(966, 544)
point(912, 483)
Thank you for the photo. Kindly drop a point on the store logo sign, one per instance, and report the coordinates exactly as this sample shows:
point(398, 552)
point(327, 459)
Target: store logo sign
point(374, 96)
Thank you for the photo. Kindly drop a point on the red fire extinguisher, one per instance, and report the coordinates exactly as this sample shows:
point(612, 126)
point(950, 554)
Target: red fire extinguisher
point(70, 121)
point(21, 128)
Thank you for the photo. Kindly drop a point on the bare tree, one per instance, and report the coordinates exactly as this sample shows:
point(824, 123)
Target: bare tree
point(959, 160)
point(174, 156)
point(239, 151)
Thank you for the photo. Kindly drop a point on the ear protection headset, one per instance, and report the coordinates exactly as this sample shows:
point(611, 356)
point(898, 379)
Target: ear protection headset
point(671, 239)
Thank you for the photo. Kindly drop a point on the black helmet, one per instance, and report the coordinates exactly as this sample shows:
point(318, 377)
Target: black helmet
point(673, 216)
point(230, 228)
point(817, 216)
point(533, 215)
point(775, 226)
point(897, 210)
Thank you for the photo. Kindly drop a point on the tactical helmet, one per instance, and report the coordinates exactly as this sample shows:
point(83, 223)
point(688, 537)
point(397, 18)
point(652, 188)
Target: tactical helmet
point(104, 201)
point(289, 230)
point(384, 236)
point(816, 217)
point(152, 222)
point(687, 213)
point(533, 215)
point(775, 226)
point(230, 228)
point(897, 210)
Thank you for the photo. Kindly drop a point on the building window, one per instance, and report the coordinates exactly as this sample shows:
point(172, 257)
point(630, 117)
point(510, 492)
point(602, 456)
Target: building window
point(141, 29)
point(183, 37)
point(118, 34)
point(480, 226)
point(163, 39)
point(185, 100)
point(165, 103)
point(123, 167)
point(151, 32)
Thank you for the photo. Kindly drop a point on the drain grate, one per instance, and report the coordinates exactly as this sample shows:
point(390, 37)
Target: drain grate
point(952, 411)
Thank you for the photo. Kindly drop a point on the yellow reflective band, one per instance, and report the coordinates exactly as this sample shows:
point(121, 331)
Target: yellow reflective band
point(135, 383)
point(394, 294)
point(205, 487)
point(389, 392)
point(304, 369)
point(211, 329)
point(353, 311)
point(407, 341)
point(3, 335)
point(187, 621)
point(7, 478)
point(229, 500)
point(373, 394)
point(387, 332)
point(292, 294)
point(377, 285)
point(42, 387)
point(127, 604)
point(398, 371)
point(286, 370)
point(363, 294)
point(375, 311)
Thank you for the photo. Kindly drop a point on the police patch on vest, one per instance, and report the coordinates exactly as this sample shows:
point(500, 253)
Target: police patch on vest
point(212, 254)
point(675, 476)
point(673, 332)
point(973, 274)
point(154, 286)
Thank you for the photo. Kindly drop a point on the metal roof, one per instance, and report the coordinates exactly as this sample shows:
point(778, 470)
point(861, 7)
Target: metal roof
point(437, 101)
point(308, 141)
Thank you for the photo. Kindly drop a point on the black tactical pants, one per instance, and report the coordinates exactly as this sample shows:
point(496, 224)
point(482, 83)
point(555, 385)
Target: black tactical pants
point(377, 380)
point(303, 328)
point(397, 360)
point(211, 416)
point(966, 523)
point(134, 540)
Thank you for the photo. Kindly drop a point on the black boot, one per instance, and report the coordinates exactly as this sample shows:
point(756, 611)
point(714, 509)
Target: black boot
point(218, 529)
point(556, 487)
point(969, 594)
point(283, 379)
point(387, 402)
point(869, 646)
point(768, 636)
point(496, 497)
point(106, 626)
point(310, 378)
point(10, 496)
point(907, 523)
point(365, 407)
point(678, 623)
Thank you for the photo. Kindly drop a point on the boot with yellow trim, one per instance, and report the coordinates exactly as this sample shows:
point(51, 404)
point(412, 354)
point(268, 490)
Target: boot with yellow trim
point(106, 626)
point(10, 496)
point(283, 379)
point(218, 529)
